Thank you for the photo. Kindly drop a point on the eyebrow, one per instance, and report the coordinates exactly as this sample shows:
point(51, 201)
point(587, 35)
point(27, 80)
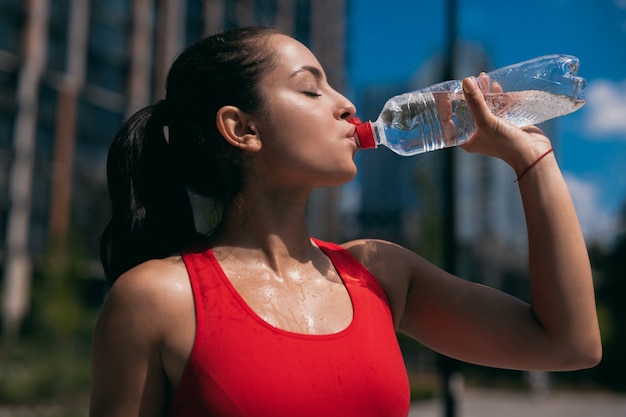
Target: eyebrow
point(308, 68)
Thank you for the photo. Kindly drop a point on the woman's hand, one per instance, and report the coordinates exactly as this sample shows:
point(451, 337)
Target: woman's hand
point(497, 137)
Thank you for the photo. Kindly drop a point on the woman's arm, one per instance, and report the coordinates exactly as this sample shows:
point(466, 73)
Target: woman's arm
point(128, 377)
point(561, 282)
point(474, 323)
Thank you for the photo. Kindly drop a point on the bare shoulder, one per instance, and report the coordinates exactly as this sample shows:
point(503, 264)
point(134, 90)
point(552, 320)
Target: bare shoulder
point(392, 265)
point(155, 274)
point(149, 293)
point(152, 279)
point(370, 246)
point(380, 256)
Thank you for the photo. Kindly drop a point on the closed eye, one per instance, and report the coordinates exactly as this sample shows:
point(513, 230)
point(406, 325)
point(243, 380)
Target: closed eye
point(311, 94)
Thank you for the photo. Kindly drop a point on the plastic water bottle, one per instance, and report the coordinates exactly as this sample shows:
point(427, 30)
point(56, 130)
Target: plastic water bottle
point(437, 117)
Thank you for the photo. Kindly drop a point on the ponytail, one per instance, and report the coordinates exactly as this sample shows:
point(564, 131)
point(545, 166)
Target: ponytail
point(151, 215)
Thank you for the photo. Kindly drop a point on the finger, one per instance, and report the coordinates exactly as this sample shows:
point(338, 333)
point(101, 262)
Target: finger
point(483, 82)
point(476, 102)
point(496, 87)
point(533, 130)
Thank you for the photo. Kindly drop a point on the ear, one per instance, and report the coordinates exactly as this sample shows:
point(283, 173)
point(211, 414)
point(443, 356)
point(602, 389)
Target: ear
point(237, 127)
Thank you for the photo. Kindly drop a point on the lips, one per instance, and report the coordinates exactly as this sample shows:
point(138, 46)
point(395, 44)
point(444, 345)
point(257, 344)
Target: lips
point(351, 135)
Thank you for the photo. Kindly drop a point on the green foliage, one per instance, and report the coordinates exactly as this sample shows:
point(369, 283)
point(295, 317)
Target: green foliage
point(50, 362)
point(44, 411)
point(36, 373)
point(59, 312)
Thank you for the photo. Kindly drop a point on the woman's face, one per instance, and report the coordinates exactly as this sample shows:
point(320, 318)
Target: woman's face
point(305, 134)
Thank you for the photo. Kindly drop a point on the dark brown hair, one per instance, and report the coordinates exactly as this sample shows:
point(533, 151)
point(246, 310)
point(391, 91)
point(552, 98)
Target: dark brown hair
point(149, 176)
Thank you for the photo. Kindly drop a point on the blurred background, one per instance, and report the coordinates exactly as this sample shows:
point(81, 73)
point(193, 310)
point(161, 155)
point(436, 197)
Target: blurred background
point(71, 71)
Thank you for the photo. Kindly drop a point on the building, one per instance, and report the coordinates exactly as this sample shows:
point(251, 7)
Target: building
point(71, 72)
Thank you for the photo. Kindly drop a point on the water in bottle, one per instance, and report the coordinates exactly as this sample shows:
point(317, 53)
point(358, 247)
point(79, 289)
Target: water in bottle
point(438, 116)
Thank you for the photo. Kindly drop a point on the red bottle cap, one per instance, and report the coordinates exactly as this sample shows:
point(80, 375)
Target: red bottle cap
point(364, 133)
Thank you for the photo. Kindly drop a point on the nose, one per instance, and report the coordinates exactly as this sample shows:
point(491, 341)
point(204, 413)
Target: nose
point(346, 110)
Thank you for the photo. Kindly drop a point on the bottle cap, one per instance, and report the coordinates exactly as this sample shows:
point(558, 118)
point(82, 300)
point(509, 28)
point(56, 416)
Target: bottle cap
point(364, 133)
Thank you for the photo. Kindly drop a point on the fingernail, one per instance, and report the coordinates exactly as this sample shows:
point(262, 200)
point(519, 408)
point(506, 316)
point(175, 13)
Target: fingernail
point(468, 84)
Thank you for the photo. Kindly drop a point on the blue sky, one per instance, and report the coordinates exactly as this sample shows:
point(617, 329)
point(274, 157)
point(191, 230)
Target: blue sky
point(391, 40)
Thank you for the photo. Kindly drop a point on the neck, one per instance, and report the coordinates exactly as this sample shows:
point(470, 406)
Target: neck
point(267, 227)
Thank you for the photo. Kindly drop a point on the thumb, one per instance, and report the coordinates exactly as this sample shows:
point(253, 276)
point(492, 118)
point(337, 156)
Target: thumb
point(476, 102)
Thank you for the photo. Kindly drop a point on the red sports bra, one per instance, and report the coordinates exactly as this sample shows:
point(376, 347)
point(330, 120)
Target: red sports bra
point(241, 365)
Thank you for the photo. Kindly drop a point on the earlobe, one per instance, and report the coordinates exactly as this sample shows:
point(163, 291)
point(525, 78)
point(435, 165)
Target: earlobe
point(237, 127)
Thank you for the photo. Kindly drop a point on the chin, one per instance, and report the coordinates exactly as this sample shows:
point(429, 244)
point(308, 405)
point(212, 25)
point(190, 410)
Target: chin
point(343, 178)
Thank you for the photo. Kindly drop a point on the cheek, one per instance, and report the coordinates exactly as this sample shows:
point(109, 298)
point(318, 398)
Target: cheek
point(290, 133)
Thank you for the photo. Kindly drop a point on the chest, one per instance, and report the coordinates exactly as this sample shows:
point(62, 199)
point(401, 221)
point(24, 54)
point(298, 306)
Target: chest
point(243, 365)
point(307, 302)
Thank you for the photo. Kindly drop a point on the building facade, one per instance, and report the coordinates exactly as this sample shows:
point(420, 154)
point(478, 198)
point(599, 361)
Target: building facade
point(71, 72)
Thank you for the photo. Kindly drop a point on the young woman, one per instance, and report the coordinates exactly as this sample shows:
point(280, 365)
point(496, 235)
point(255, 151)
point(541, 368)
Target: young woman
point(256, 317)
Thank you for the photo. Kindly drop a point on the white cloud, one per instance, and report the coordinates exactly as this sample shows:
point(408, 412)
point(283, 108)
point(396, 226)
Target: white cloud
point(598, 225)
point(606, 108)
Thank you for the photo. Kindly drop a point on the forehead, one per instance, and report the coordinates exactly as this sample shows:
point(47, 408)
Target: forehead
point(292, 56)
